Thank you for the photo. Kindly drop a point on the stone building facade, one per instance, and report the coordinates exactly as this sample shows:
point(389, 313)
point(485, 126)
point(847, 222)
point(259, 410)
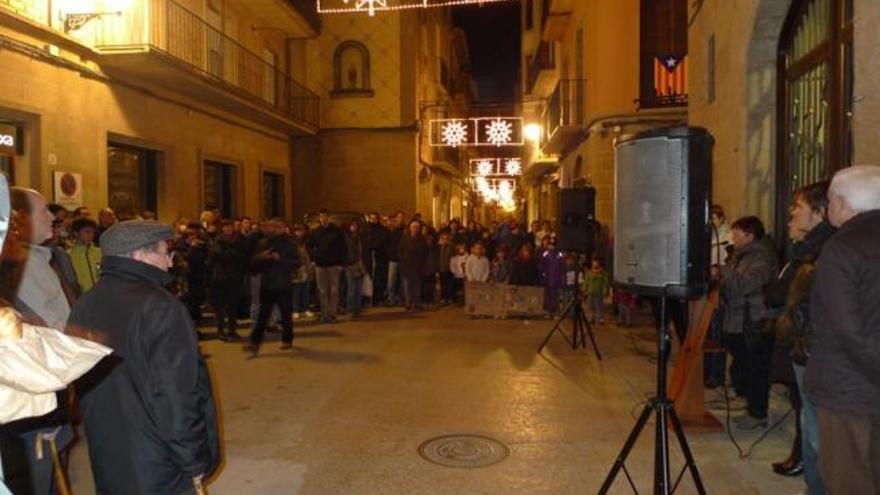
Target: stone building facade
point(173, 106)
point(788, 88)
point(582, 80)
point(381, 80)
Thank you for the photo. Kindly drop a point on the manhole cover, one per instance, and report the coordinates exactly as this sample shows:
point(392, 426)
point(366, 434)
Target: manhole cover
point(464, 451)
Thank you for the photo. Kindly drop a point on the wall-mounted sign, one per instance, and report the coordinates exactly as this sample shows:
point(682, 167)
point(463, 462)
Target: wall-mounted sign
point(9, 136)
point(68, 189)
point(479, 131)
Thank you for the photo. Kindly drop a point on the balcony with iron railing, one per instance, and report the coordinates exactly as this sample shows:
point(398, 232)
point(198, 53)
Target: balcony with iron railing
point(542, 69)
point(170, 46)
point(564, 116)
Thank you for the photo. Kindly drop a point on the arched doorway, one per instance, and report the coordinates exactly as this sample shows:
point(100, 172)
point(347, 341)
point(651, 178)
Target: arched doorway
point(815, 67)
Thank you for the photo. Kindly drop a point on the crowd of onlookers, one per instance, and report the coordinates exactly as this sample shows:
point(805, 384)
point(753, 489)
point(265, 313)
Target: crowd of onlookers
point(812, 322)
point(274, 271)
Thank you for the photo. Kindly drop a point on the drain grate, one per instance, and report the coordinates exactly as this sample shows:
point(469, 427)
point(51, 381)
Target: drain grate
point(464, 451)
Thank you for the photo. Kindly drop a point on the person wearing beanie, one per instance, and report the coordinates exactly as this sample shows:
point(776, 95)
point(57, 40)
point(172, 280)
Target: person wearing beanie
point(148, 408)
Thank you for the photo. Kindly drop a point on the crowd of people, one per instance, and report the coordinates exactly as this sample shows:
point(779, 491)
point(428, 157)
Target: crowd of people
point(812, 323)
point(139, 287)
point(273, 271)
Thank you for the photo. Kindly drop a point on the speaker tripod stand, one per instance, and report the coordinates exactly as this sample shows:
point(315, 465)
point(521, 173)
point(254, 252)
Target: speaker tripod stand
point(581, 327)
point(665, 411)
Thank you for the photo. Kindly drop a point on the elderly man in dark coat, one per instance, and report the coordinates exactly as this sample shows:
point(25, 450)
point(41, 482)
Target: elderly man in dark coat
point(148, 408)
point(843, 372)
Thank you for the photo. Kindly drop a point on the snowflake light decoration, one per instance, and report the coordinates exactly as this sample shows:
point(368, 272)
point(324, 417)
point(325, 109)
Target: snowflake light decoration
point(513, 166)
point(454, 133)
point(371, 5)
point(484, 167)
point(499, 132)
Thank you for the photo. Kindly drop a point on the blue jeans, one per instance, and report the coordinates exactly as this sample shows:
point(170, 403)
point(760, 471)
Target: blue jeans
point(394, 282)
point(354, 293)
point(809, 437)
point(301, 297)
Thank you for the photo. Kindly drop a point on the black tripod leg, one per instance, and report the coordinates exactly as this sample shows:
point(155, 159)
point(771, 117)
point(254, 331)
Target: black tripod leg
point(661, 453)
point(556, 329)
point(627, 447)
point(589, 331)
point(688, 456)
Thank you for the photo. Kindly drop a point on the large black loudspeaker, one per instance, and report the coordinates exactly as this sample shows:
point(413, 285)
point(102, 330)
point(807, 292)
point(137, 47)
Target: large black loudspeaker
point(662, 189)
point(576, 226)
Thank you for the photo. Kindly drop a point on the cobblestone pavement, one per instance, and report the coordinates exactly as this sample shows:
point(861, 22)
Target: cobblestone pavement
point(346, 410)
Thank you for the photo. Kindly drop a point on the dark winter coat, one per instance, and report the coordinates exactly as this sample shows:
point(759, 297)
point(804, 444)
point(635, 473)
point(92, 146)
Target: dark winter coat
point(413, 255)
point(525, 272)
point(743, 282)
point(358, 251)
point(277, 275)
point(376, 238)
point(228, 258)
point(791, 292)
point(148, 408)
point(393, 247)
point(327, 246)
point(445, 253)
point(843, 373)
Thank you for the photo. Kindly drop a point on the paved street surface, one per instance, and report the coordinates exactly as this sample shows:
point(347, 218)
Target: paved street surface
point(346, 410)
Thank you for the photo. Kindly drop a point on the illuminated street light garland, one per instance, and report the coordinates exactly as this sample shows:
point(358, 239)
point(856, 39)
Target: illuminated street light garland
point(477, 131)
point(495, 179)
point(373, 6)
point(496, 167)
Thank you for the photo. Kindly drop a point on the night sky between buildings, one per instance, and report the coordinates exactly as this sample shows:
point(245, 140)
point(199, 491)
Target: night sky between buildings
point(493, 33)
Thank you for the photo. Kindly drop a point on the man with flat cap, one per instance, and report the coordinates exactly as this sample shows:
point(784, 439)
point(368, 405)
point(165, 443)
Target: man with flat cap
point(148, 408)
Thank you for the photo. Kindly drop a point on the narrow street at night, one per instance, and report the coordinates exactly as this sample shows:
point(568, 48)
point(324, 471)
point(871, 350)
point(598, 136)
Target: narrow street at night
point(346, 410)
point(319, 247)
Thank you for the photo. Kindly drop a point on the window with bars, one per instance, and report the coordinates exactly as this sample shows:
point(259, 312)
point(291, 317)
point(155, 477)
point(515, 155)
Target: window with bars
point(816, 75)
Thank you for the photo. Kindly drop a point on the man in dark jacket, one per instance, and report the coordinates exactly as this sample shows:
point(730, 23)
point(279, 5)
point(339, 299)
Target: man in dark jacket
point(228, 260)
point(329, 252)
point(413, 256)
point(843, 372)
point(377, 244)
point(276, 261)
point(148, 408)
point(395, 234)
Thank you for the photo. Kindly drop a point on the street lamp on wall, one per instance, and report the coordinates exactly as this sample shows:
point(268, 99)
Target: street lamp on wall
point(77, 13)
point(75, 21)
point(532, 132)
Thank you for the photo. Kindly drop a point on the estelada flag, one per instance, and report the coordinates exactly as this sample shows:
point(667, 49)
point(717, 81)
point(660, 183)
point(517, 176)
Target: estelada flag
point(670, 74)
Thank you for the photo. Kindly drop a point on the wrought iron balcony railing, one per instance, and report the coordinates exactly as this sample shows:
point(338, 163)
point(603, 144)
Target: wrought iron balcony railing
point(191, 39)
point(564, 115)
point(176, 31)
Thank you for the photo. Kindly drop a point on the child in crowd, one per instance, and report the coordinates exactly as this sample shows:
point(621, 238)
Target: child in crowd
point(500, 269)
point(626, 302)
point(477, 265)
point(457, 267)
point(552, 266)
point(84, 255)
point(445, 252)
point(596, 287)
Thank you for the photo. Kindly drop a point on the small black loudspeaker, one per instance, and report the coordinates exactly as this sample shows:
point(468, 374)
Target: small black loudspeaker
point(662, 189)
point(576, 228)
